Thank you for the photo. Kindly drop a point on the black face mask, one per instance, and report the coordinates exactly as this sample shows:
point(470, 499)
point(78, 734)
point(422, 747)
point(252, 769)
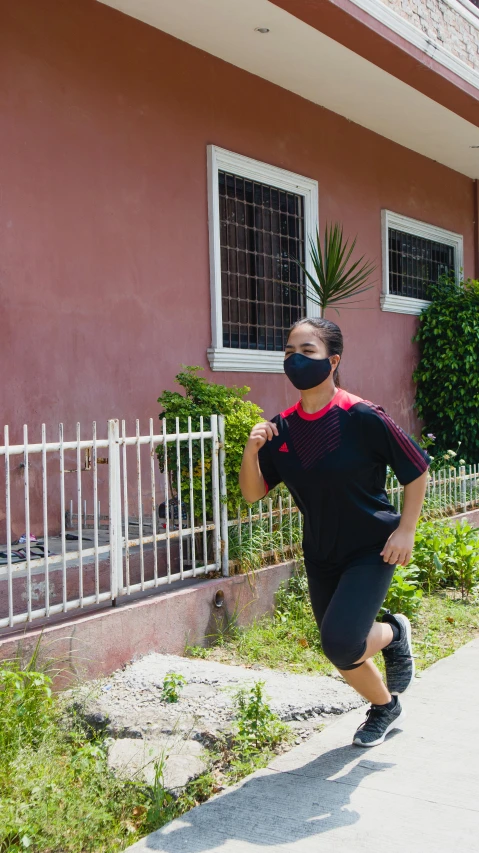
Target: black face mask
point(306, 373)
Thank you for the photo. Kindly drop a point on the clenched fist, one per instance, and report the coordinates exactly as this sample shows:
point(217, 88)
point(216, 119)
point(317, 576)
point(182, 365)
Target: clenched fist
point(259, 435)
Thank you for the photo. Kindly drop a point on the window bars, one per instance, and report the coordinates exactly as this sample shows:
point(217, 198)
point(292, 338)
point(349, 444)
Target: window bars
point(261, 231)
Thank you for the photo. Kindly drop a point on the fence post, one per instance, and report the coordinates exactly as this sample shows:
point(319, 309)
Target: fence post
point(215, 489)
point(223, 504)
point(114, 495)
point(462, 475)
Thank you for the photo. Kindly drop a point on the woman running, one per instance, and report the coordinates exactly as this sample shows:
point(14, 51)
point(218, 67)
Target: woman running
point(331, 450)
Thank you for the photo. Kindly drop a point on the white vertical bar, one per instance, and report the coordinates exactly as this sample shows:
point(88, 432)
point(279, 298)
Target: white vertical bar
point(27, 520)
point(62, 512)
point(153, 504)
point(45, 520)
point(215, 489)
point(71, 514)
point(140, 508)
point(462, 474)
point(178, 496)
point(114, 489)
point(96, 511)
point(192, 500)
point(8, 521)
point(250, 528)
point(223, 499)
point(270, 518)
point(80, 528)
point(126, 513)
point(203, 494)
point(167, 500)
point(240, 531)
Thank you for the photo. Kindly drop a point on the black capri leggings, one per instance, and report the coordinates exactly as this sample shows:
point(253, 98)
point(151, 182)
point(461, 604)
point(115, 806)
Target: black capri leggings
point(345, 604)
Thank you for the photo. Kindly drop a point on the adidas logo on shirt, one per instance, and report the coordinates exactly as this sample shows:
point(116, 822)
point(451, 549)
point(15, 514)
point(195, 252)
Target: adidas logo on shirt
point(284, 448)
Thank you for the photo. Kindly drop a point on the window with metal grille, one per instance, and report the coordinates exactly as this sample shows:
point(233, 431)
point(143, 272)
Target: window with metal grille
point(415, 256)
point(262, 289)
point(415, 262)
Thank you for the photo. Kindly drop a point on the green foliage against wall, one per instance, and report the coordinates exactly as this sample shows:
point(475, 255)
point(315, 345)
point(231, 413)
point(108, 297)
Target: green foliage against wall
point(447, 376)
point(202, 399)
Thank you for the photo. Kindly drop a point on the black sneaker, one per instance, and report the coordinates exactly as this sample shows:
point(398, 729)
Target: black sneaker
point(379, 721)
point(398, 657)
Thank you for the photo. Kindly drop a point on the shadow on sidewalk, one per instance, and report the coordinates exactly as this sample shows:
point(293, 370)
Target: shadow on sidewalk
point(275, 808)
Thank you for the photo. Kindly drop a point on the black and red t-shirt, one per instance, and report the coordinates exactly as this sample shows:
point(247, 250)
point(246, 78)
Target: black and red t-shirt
point(334, 464)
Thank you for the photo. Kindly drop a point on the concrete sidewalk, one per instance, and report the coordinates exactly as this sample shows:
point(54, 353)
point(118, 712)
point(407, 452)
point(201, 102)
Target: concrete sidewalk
point(418, 791)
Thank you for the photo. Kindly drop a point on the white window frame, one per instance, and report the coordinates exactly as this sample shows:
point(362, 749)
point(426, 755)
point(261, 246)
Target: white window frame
point(219, 159)
point(406, 304)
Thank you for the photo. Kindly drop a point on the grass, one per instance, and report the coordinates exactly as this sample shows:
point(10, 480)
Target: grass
point(57, 793)
point(290, 640)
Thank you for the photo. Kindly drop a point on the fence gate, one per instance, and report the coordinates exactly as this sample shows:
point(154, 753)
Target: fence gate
point(89, 520)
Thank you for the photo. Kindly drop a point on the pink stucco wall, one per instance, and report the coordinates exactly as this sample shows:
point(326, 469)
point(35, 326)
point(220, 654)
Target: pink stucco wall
point(104, 270)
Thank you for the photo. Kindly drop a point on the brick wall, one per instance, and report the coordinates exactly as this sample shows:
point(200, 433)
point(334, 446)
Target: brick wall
point(444, 23)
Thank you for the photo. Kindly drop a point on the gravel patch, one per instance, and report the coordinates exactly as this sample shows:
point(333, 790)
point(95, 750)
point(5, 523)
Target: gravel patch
point(129, 706)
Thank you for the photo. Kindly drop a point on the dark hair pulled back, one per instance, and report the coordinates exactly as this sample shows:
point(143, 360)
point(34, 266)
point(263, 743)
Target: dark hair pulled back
point(327, 332)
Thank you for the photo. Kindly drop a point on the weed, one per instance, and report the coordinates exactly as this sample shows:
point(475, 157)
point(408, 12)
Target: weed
point(258, 732)
point(196, 651)
point(172, 686)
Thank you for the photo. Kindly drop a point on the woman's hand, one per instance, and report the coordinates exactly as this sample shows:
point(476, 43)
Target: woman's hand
point(259, 435)
point(398, 548)
point(251, 480)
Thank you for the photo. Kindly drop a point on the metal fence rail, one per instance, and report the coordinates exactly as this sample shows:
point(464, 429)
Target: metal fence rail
point(133, 547)
point(164, 518)
point(449, 490)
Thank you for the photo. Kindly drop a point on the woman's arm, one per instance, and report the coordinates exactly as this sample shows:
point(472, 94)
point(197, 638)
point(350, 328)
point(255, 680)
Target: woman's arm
point(398, 548)
point(250, 478)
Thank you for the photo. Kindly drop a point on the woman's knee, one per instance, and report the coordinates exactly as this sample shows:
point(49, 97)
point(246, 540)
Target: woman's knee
point(343, 650)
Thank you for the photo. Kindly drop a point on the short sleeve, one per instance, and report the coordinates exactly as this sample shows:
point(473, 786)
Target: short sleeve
point(268, 468)
point(392, 446)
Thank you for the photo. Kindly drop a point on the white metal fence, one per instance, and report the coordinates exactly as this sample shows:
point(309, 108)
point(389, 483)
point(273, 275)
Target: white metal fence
point(161, 526)
point(89, 520)
point(449, 490)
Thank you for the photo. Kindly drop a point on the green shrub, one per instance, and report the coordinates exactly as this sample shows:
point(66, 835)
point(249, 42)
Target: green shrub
point(202, 399)
point(404, 594)
point(446, 554)
point(447, 376)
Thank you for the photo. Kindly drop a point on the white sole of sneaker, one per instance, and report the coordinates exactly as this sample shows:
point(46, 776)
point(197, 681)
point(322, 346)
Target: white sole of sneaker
point(407, 625)
point(396, 724)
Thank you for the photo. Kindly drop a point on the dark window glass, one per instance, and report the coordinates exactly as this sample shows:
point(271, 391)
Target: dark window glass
point(415, 263)
point(263, 293)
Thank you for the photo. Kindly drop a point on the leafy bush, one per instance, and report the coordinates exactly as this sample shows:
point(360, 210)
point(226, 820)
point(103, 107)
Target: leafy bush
point(202, 399)
point(404, 594)
point(446, 554)
point(447, 376)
